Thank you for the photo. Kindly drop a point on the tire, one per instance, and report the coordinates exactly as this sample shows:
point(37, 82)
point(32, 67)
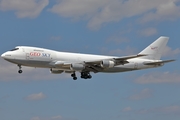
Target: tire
point(20, 71)
point(74, 78)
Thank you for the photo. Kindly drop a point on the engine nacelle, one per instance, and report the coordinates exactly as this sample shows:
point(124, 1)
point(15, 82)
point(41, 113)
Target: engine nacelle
point(77, 67)
point(56, 71)
point(107, 64)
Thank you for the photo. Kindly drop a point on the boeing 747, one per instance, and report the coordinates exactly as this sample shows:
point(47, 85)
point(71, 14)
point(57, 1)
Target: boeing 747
point(59, 62)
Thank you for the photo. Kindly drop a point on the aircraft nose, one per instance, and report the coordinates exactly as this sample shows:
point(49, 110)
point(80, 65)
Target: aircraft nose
point(6, 55)
point(3, 55)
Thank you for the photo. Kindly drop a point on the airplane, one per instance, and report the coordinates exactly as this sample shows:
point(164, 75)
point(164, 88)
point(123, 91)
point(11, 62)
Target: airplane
point(59, 62)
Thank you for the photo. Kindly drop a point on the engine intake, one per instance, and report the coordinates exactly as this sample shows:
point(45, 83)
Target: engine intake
point(77, 67)
point(107, 64)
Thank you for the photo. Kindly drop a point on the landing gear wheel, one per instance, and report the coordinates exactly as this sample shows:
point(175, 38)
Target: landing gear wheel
point(73, 75)
point(20, 71)
point(89, 76)
point(74, 78)
point(86, 75)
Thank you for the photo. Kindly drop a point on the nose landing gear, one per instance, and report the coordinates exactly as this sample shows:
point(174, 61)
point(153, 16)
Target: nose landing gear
point(20, 71)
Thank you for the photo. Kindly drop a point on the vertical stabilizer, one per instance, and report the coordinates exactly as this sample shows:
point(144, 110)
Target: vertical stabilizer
point(155, 50)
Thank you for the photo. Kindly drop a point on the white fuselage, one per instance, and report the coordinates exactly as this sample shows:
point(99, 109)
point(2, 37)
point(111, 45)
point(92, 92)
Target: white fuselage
point(45, 58)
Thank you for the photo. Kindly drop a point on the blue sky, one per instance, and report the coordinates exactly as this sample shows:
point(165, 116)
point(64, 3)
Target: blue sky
point(108, 27)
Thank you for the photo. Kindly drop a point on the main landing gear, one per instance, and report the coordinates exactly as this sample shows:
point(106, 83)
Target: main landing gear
point(20, 71)
point(74, 76)
point(84, 75)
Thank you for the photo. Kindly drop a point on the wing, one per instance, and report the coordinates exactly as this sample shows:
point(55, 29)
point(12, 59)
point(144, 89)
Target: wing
point(95, 66)
point(118, 60)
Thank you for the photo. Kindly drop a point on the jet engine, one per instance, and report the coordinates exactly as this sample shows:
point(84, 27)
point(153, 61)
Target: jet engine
point(107, 64)
point(77, 67)
point(56, 71)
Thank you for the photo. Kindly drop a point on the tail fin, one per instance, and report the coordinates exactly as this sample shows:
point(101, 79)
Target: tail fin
point(155, 50)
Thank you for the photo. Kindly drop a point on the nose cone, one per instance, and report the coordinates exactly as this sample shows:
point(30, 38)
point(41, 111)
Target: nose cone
point(3, 55)
point(6, 55)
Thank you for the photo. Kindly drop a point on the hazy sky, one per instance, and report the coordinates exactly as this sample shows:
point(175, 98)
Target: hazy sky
point(108, 27)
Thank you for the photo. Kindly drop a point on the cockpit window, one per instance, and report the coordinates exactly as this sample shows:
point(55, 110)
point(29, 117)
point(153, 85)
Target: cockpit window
point(14, 49)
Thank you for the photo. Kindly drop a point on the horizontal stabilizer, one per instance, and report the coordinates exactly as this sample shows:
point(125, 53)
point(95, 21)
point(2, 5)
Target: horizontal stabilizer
point(159, 62)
